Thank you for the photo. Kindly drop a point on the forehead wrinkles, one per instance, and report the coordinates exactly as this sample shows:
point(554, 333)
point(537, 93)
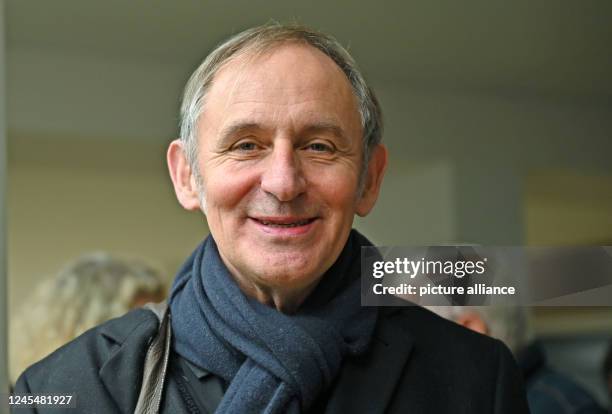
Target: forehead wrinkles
point(241, 74)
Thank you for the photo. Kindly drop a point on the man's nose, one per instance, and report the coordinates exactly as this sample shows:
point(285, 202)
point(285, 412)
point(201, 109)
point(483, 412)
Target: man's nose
point(283, 177)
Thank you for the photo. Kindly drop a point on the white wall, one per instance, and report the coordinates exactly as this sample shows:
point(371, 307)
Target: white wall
point(490, 143)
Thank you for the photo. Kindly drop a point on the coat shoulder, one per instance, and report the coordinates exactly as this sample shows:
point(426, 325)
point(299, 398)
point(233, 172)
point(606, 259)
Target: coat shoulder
point(480, 370)
point(437, 333)
point(79, 362)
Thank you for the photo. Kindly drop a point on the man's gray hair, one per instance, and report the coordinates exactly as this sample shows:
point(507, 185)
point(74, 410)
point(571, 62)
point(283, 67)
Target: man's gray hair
point(262, 39)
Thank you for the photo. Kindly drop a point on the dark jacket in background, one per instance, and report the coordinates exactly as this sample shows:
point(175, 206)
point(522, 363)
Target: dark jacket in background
point(550, 392)
point(418, 363)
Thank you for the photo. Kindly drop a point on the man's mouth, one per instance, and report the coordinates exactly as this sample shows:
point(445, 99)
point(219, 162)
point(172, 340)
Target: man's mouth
point(284, 222)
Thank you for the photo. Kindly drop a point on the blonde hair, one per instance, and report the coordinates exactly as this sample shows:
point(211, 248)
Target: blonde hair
point(94, 288)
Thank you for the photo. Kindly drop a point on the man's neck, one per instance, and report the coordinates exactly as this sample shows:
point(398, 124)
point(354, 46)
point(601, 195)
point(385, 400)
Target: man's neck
point(284, 299)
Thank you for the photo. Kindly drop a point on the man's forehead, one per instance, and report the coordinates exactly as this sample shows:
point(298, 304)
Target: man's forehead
point(287, 74)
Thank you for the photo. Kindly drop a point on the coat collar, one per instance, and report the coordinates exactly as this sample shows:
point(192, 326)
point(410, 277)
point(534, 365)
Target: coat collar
point(367, 384)
point(121, 372)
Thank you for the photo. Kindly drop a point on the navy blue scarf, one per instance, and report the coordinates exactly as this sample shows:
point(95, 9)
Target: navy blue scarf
point(273, 362)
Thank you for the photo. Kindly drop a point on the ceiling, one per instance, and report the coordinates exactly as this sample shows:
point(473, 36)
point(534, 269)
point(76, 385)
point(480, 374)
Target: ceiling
point(547, 46)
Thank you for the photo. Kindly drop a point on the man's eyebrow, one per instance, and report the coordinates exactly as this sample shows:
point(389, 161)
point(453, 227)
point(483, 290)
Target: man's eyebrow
point(236, 128)
point(326, 127)
point(229, 132)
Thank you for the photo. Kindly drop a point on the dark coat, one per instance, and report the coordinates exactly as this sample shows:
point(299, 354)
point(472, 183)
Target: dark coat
point(418, 363)
point(551, 392)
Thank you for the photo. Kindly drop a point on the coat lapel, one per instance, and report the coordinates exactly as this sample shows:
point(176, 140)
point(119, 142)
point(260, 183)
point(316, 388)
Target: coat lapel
point(366, 384)
point(121, 373)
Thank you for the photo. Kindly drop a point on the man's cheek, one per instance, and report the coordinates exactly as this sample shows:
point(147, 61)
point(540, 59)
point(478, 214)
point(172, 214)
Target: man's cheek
point(335, 183)
point(229, 189)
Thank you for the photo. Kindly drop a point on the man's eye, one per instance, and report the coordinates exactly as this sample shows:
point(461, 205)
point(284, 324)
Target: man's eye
point(320, 147)
point(246, 146)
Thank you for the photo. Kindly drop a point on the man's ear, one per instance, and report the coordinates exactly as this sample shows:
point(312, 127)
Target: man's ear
point(373, 180)
point(184, 181)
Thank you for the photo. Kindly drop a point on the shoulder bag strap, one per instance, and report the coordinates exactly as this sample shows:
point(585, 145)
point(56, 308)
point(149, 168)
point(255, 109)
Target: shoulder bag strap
point(156, 363)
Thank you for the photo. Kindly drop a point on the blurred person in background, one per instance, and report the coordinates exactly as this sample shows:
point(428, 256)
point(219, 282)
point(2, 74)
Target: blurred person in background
point(94, 288)
point(548, 391)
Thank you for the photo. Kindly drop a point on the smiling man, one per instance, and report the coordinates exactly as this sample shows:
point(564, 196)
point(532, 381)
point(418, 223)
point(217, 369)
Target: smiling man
point(277, 168)
point(280, 148)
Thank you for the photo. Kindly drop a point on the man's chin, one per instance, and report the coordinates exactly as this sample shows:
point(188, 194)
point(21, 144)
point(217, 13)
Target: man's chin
point(285, 281)
point(282, 262)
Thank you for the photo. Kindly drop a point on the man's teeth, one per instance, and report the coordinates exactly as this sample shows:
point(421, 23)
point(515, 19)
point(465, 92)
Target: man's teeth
point(295, 224)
